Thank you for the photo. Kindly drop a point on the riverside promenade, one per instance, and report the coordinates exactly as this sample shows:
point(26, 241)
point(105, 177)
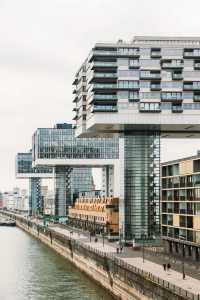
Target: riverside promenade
point(124, 275)
point(173, 277)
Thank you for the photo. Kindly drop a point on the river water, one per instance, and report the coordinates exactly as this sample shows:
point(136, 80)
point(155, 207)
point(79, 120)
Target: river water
point(29, 270)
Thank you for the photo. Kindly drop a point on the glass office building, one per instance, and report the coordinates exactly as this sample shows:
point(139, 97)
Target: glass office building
point(60, 143)
point(55, 143)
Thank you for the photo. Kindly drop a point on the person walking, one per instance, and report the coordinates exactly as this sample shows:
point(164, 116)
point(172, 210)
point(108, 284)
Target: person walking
point(168, 267)
point(164, 267)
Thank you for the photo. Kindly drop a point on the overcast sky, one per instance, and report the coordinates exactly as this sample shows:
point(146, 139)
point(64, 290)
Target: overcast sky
point(42, 44)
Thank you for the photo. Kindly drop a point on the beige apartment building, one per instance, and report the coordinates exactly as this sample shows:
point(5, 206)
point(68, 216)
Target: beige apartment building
point(180, 212)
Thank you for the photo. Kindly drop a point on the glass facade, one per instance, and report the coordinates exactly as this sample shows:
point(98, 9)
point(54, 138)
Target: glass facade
point(141, 184)
point(24, 168)
point(35, 197)
point(68, 184)
point(53, 143)
point(24, 165)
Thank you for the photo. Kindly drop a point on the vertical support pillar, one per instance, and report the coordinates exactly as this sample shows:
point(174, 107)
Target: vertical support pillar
point(62, 190)
point(108, 181)
point(141, 184)
point(35, 205)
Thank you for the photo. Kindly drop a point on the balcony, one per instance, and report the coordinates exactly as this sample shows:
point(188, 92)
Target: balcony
point(105, 97)
point(177, 109)
point(104, 108)
point(102, 77)
point(191, 53)
point(177, 76)
point(109, 53)
point(134, 64)
point(149, 75)
point(134, 97)
point(149, 107)
point(196, 98)
point(135, 52)
point(75, 99)
point(101, 98)
point(102, 64)
point(155, 53)
point(155, 86)
point(188, 86)
point(128, 85)
point(172, 64)
point(101, 86)
point(105, 75)
point(75, 81)
point(74, 91)
point(196, 86)
point(197, 65)
point(173, 96)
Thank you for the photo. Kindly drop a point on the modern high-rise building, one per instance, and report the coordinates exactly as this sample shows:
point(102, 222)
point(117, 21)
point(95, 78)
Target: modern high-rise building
point(181, 206)
point(141, 91)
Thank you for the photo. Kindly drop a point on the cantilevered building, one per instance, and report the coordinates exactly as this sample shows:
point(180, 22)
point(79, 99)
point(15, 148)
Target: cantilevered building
point(143, 90)
point(72, 160)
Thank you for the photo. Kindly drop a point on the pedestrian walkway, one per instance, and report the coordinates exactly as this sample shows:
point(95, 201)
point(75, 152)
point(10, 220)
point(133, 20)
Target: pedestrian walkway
point(69, 233)
point(189, 284)
point(134, 259)
point(99, 246)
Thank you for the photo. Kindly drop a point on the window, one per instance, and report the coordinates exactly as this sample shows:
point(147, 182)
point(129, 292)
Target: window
point(128, 51)
point(149, 107)
point(128, 73)
point(171, 95)
point(196, 165)
point(134, 96)
point(127, 84)
point(150, 95)
point(172, 84)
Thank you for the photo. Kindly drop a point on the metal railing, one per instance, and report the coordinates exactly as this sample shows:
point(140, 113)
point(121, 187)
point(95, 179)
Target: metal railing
point(66, 240)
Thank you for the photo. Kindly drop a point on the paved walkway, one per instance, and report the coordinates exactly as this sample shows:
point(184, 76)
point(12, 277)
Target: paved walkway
point(134, 258)
point(190, 284)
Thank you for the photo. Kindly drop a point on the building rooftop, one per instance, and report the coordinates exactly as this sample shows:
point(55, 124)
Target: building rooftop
point(171, 162)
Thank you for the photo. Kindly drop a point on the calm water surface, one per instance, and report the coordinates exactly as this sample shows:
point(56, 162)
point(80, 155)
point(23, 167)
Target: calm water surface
point(29, 270)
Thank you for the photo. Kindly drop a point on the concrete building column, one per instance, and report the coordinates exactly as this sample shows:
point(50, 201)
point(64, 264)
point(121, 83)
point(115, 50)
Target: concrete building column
point(62, 190)
point(141, 179)
point(35, 199)
point(108, 181)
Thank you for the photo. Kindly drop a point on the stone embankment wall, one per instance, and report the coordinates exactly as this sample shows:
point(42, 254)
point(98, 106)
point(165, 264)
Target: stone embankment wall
point(123, 281)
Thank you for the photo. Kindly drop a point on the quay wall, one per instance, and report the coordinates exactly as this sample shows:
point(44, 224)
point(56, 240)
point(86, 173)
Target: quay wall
point(121, 280)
